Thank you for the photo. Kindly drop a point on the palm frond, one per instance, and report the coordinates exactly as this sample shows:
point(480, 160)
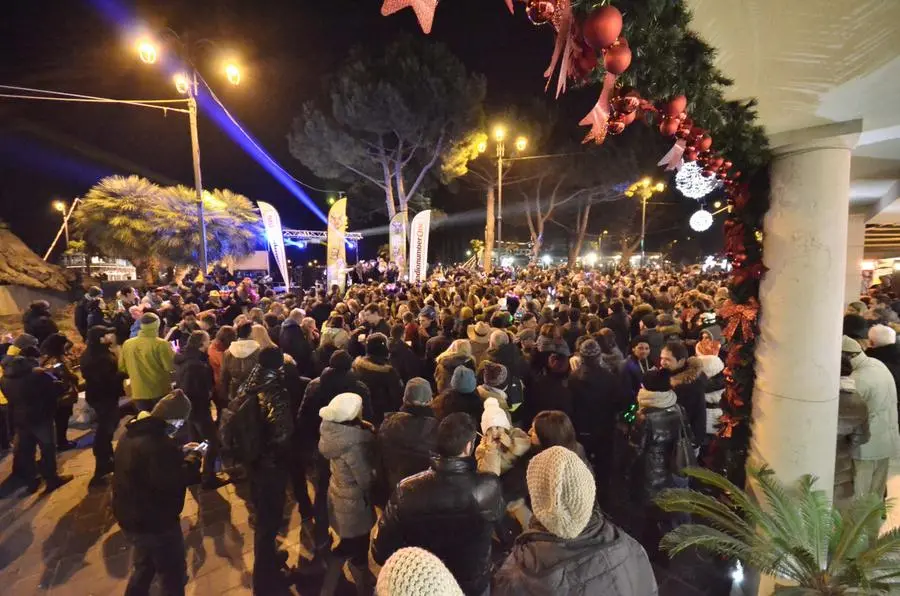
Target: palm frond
point(685, 500)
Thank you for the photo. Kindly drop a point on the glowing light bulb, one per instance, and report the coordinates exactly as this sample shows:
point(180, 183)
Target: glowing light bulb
point(182, 83)
point(147, 51)
point(233, 73)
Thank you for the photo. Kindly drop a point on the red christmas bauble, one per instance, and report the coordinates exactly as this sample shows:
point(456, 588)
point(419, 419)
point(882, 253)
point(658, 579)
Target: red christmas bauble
point(617, 59)
point(690, 154)
point(628, 118)
point(668, 127)
point(615, 127)
point(540, 12)
point(704, 143)
point(675, 106)
point(602, 27)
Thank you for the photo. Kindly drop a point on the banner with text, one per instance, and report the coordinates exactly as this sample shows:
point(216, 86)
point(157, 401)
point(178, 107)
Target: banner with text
point(275, 237)
point(337, 248)
point(399, 224)
point(418, 247)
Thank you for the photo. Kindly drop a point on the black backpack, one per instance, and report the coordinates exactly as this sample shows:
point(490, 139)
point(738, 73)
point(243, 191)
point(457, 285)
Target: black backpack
point(241, 430)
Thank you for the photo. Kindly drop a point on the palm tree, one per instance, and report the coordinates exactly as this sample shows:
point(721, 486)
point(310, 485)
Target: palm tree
point(797, 535)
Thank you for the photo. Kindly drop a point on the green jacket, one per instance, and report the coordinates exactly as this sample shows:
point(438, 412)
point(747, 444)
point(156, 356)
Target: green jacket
point(148, 360)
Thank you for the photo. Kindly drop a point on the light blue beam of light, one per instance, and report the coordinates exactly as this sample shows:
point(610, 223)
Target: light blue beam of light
point(122, 18)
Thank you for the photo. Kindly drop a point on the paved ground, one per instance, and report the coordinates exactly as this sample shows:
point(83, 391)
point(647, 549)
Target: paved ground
point(67, 543)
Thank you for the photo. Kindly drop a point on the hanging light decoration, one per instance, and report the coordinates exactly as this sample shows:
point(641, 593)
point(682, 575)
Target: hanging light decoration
point(691, 182)
point(701, 220)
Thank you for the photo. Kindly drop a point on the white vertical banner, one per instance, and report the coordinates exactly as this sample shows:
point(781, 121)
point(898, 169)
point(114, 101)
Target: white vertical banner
point(272, 224)
point(418, 246)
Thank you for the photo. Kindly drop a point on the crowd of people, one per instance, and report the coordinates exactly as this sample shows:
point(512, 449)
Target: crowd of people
point(474, 434)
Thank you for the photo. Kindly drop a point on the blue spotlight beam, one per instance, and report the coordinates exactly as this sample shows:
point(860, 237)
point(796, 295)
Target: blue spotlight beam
point(121, 17)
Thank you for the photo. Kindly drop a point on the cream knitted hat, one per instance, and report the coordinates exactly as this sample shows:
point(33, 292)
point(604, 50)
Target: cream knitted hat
point(415, 572)
point(562, 491)
point(342, 408)
point(493, 415)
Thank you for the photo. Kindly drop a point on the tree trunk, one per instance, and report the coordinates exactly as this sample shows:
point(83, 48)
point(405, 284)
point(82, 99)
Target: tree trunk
point(536, 243)
point(580, 231)
point(489, 230)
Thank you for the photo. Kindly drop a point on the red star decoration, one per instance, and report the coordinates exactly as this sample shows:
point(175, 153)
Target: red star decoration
point(424, 10)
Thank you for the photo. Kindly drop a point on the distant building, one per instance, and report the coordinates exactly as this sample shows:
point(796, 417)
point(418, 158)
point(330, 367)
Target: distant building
point(100, 267)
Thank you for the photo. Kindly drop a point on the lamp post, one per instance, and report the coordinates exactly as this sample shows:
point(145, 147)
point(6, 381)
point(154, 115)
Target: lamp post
point(521, 144)
point(188, 84)
point(61, 207)
point(644, 189)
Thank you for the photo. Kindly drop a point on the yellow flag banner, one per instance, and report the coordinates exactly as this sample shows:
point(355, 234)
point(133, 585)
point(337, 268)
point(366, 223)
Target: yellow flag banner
point(337, 248)
point(398, 227)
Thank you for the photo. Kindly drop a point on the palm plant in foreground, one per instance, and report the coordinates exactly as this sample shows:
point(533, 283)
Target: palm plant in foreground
point(796, 535)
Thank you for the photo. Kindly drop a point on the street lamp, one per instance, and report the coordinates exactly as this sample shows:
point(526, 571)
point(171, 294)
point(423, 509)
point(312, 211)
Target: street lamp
point(187, 83)
point(61, 207)
point(520, 144)
point(644, 189)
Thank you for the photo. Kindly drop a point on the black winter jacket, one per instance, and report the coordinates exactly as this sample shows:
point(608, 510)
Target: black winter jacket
point(449, 510)
point(293, 341)
point(103, 381)
point(39, 324)
point(270, 389)
point(32, 392)
point(547, 391)
point(385, 386)
point(451, 401)
point(150, 477)
point(597, 400)
point(651, 446)
point(194, 376)
point(689, 385)
point(405, 442)
point(318, 394)
point(404, 360)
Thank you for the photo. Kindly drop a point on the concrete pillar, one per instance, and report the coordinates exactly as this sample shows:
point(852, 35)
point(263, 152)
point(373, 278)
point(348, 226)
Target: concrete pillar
point(795, 399)
point(856, 239)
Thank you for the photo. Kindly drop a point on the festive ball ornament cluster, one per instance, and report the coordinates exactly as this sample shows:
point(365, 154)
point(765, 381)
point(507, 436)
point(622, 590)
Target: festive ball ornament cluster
point(691, 182)
point(540, 12)
point(602, 27)
point(701, 220)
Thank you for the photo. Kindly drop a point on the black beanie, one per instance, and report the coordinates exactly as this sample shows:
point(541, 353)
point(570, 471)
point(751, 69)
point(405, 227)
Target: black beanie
point(340, 360)
point(656, 380)
point(377, 346)
point(856, 327)
point(271, 358)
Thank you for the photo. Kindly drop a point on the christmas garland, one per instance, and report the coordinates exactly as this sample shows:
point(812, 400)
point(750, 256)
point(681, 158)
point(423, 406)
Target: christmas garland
point(675, 85)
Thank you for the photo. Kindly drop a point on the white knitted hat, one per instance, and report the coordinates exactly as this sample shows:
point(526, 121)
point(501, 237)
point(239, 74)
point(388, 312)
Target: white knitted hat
point(342, 408)
point(562, 491)
point(414, 571)
point(882, 335)
point(493, 415)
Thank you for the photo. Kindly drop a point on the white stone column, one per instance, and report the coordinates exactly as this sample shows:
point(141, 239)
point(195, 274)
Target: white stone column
point(795, 400)
point(856, 240)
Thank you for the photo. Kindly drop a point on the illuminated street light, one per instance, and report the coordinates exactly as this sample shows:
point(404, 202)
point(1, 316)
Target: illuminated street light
point(546, 259)
point(482, 147)
point(521, 144)
point(182, 83)
point(468, 253)
point(590, 259)
point(59, 206)
point(717, 204)
point(644, 189)
point(499, 133)
point(147, 51)
point(331, 201)
point(233, 73)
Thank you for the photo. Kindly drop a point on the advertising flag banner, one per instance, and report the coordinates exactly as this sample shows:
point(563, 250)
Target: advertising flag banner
point(418, 246)
point(337, 248)
point(275, 237)
point(398, 228)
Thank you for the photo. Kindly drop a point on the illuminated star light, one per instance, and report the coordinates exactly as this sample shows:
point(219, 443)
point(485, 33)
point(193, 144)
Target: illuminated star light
point(424, 10)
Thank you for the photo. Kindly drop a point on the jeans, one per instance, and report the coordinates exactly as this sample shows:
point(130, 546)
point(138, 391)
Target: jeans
point(319, 469)
point(31, 437)
point(160, 554)
point(267, 486)
point(107, 421)
point(203, 428)
point(63, 413)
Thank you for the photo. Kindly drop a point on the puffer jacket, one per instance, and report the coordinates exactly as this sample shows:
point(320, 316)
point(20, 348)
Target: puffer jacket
point(713, 389)
point(385, 386)
point(443, 370)
point(875, 386)
point(270, 390)
point(349, 449)
point(237, 364)
point(852, 431)
point(689, 385)
point(449, 510)
point(603, 559)
point(405, 442)
point(651, 447)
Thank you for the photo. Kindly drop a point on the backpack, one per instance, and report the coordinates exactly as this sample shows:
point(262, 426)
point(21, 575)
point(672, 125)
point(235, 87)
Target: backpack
point(241, 430)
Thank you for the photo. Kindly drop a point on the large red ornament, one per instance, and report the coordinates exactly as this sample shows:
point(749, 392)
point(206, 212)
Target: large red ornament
point(617, 59)
point(540, 12)
point(676, 106)
point(602, 27)
point(690, 154)
point(704, 143)
point(668, 127)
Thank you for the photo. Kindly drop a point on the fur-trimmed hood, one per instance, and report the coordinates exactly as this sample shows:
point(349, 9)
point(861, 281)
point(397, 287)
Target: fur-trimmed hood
point(690, 374)
point(363, 364)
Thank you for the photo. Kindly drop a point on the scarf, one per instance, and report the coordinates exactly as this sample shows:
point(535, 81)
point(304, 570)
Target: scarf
point(656, 399)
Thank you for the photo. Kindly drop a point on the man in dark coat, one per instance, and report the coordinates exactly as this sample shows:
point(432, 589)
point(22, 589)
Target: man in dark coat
point(549, 386)
point(618, 322)
point(689, 383)
point(38, 321)
point(407, 438)
point(438, 344)
point(449, 510)
point(372, 323)
point(375, 371)
point(296, 344)
point(151, 476)
point(461, 396)
point(403, 359)
point(654, 338)
point(103, 388)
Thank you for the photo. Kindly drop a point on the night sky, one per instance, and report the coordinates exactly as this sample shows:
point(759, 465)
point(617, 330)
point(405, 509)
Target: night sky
point(52, 150)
